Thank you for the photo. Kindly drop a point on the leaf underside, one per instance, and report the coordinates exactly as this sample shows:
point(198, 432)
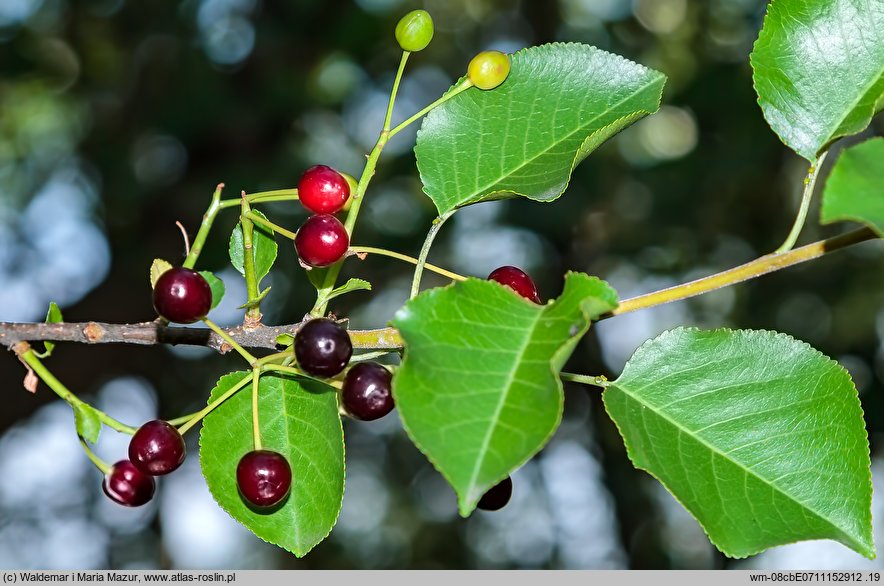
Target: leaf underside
point(300, 420)
point(477, 390)
point(757, 434)
point(855, 187)
point(559, 102)
point(818, 69)
point(264, 249)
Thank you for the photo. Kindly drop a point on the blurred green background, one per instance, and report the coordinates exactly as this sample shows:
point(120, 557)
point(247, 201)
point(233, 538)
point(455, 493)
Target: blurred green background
point(118, 118)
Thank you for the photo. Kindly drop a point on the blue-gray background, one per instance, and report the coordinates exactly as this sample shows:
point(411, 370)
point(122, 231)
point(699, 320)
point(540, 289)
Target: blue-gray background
point(117, 118)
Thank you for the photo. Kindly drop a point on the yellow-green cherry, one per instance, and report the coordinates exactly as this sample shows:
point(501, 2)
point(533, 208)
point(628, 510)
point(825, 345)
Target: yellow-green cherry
point(415, 31)
point(489, 69)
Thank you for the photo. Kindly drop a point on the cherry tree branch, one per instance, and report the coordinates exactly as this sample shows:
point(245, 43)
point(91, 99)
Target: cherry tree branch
point(153, 333)
point(261, 336)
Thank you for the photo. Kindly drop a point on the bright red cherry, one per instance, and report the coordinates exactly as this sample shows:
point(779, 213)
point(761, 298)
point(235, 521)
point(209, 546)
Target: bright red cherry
point(127, 485)
point(366, 393)
point(497, 496)
point(323, 190)
point(321, 241)
point(517, 280)
point(182, 295)
point(156, 448)
point(264, 478)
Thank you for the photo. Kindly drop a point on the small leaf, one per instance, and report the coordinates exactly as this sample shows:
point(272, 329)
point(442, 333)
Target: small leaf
point(348, 287)
point(855, 188)
point(757, 434)
point(264, 249)
point(285, 340)
point(87, 422)
point(818, 68)
point(157, 268)
point(256, 301)
point(559, 103)
point(53, 316)
point(217, 286)
point(300, 420)
point(478, 389)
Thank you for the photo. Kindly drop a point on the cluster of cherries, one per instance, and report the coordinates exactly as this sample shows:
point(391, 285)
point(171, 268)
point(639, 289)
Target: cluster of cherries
point(322, 239)
point(322, 349)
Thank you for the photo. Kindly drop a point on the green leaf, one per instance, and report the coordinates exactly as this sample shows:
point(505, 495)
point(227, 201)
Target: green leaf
point(263, 247)
point(256, 301)
point(53, 316)
point(87, 422)
point(285, 339)
point(558, 104)
point(757, 434)
point(348, 287)
point(818, 68)
point(478, 389)
point(217, 286)
point(855, 188)
point(300, 420)
point(157, 268)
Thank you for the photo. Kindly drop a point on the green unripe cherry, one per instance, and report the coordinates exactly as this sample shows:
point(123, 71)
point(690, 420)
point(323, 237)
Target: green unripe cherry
point(488, 69)
point(415, 31)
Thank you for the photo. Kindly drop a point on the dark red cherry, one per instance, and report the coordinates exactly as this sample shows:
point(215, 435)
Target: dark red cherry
point(322, 347)
point(517, 280)
point(497, 496)
point(264, 478)
point(321, 241)
point(182, 295)
point(323, 190)
point(127, 485)
point(366, 393)
point(156, 448)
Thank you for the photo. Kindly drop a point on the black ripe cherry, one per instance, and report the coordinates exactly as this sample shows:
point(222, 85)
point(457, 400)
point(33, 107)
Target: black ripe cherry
point(156, 448)
point(322, 190)
point(497, 496)
point(367, 391)
point(321, 241)
point(127, 485)
point(322, 347)
point(517, 280)
point(182, 295)
point(264, 478)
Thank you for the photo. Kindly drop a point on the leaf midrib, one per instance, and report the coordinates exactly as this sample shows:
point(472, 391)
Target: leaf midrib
point(725, 456)
point(499, 408)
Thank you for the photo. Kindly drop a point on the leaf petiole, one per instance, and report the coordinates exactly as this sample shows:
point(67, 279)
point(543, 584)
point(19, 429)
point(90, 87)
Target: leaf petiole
point(806, 197)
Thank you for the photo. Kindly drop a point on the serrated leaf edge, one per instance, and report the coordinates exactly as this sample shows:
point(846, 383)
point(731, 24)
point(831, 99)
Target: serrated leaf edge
point(870, 553)
point(296, 552)
point(775, 5)
point(639, 114)
point(465, 506)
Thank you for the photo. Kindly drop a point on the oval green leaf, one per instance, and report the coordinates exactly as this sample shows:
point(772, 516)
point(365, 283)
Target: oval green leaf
point(87, 422)
point(855, 188)
point(478, 389)
point(299, 420)
point(757, 434)
point(264, 248)
point(818, 69)
point(558, 104)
